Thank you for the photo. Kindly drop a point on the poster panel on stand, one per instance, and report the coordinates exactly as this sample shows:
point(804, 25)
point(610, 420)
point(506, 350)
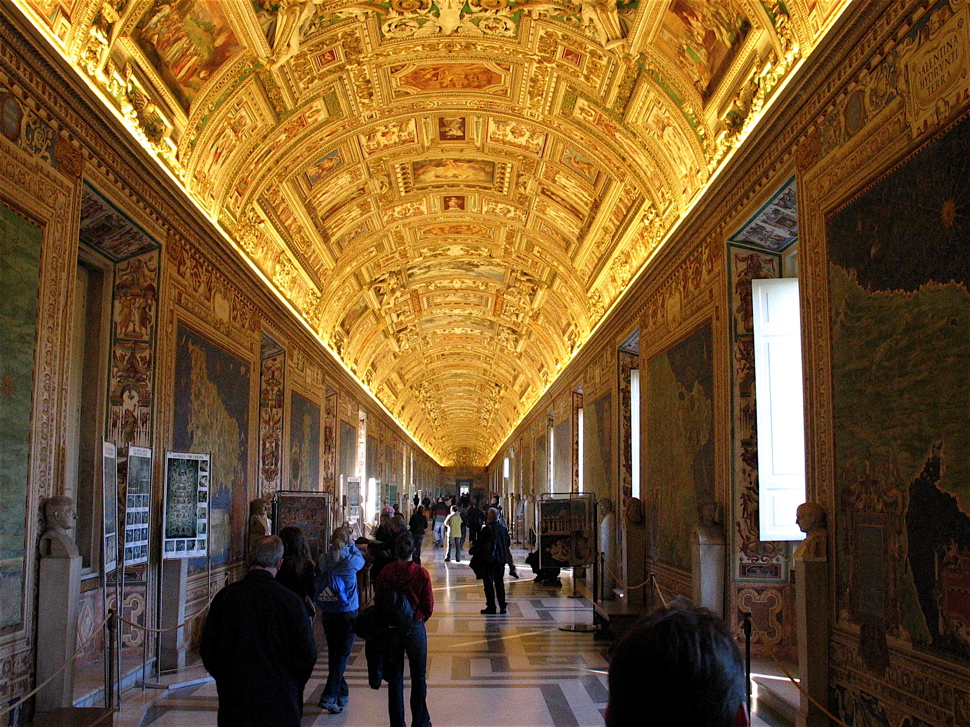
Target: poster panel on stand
point(138, 505)
point(309, 511)
point(186, 507)
point(567, 530)
point(109, 490)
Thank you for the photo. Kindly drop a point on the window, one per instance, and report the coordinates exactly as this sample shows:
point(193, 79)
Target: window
point(778, 389)
point(635, 429)
point(86, 394)
point(579, 448)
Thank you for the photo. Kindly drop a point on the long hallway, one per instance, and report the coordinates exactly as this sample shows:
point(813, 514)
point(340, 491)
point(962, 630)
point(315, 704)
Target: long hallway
point(516, 670)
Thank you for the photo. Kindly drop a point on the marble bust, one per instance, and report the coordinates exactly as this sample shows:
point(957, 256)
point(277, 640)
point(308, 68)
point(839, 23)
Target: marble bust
point(56, 542)
point(258, 522)
point(810, 518)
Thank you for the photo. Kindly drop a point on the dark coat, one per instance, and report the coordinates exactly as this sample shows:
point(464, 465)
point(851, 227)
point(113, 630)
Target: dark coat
point(492, 546)
point(258, 646)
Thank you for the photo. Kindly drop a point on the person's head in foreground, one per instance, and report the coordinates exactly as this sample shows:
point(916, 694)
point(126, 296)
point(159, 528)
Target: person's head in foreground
point(677, 666)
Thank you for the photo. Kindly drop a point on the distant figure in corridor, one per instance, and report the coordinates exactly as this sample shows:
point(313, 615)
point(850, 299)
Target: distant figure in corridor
point(417, 526)
point(258, 645)
point(677, 666)
point(409, 578)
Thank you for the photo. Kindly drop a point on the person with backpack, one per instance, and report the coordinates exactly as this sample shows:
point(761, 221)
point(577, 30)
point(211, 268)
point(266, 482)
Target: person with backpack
point(338, 601)
point(407, 578)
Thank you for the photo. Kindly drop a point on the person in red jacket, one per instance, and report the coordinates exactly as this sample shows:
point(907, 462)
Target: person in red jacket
point(413, 581)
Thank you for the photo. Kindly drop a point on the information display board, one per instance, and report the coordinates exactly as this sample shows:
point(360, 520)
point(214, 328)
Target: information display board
point(309, 511)
point(138, 505)
point(186, 511)
point(567, 530)
point(109, 489)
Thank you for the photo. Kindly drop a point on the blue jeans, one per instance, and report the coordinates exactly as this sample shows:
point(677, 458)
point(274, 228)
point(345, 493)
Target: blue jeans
point(415, 645)
point(339, 630)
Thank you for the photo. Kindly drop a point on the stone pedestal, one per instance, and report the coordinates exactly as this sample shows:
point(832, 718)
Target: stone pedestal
point(708, 560)
point(175, 576)
point(634, 546)
point(812, 612)
point(59, 591)
point(608, 549)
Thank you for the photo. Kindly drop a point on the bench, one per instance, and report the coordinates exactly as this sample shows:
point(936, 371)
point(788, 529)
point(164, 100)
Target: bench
point(615, 618)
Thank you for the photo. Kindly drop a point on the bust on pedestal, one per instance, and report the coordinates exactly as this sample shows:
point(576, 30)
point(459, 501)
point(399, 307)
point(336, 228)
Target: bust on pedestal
point(59, 590)
point(258, 522)
point(812, 612)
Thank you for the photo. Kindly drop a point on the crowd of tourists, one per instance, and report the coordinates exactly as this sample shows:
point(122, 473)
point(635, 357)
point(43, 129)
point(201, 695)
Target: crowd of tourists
point(258, 643)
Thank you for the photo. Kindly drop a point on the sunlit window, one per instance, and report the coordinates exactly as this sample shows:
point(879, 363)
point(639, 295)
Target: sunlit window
point(778, 389)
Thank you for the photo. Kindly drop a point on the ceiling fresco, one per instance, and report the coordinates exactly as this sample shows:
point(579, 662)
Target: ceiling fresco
point(451, 193)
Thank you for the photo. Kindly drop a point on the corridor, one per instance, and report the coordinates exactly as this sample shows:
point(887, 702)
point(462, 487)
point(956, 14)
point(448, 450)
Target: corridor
point(517, 670)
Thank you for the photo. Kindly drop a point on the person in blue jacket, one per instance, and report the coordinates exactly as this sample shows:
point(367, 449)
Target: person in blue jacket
point(338, 601)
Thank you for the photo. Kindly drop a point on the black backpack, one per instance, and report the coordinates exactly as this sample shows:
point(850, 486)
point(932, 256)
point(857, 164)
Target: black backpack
point(395, 613)
point(390, 616)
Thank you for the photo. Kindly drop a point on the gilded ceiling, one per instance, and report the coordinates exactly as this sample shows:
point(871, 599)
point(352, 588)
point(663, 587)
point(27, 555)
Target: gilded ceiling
point(451, 193)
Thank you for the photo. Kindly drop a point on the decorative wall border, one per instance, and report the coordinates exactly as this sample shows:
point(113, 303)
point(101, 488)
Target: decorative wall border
point(52, 202)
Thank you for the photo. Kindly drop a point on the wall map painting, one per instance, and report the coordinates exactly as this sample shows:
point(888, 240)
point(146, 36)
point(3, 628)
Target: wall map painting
point(680, 415)
point(20, 280)
point(212, 415)
point(304, 443)
point(900, 312)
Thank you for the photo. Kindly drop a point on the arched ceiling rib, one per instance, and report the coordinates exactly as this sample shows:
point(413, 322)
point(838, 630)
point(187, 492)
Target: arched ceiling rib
point(452, 193)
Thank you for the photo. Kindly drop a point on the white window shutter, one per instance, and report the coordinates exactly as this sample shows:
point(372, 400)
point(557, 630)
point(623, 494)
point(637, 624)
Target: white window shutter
point(781, 427)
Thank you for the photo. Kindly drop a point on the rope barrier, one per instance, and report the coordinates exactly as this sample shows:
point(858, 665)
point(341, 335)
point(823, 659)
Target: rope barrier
point(62, 667)
point(186, 622)
point(620, 580)
point(774, 657)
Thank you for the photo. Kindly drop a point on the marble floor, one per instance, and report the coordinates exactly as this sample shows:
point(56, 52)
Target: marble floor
point(516, 670)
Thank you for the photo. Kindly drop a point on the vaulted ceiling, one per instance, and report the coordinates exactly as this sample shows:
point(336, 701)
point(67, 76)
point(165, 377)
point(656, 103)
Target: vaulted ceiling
point(451, 193)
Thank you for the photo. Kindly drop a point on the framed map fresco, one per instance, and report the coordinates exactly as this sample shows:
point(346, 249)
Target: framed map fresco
point(899, 287)
point(304, 443)
point(186, 513)
point(211, 398)
point(20, 243)
point(138, 496)
point(680, 446)
point(309, 511)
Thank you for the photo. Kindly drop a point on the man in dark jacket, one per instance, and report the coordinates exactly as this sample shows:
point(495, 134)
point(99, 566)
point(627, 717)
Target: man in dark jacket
point(492, 548)
point(258, 645)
